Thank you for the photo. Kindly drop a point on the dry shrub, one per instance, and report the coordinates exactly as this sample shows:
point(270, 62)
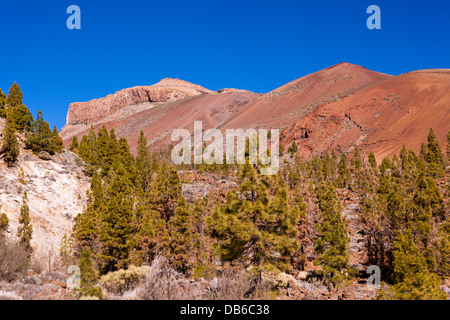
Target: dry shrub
point(45, 262)
point(13, 259)
point(164, 283)
point(7, 295)
point(119, 282)
point(241, 285)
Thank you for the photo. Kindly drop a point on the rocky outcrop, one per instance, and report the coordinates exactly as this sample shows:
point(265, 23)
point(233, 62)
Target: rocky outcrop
point(56, 195)
point(82, 114)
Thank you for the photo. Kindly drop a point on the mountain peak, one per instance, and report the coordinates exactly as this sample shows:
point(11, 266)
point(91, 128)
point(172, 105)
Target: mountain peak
point(166, 90)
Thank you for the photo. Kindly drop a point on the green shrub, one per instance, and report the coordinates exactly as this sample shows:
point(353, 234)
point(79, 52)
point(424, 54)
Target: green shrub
point(119, 282)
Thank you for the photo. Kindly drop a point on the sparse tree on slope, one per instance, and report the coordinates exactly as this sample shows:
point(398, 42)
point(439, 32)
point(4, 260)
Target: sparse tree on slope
point(356, 160)
point(434, 156)
point(74, 145)
point(10, 148)
point(25, 229)
point(41, 137)
point(21, 116)
point(4, 223)
point(3, 98)
point(57, 140)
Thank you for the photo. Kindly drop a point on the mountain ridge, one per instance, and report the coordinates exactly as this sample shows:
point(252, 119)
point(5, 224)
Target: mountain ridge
point(295, 108)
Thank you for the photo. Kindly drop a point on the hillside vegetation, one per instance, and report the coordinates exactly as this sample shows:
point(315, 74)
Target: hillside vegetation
point(226, 231)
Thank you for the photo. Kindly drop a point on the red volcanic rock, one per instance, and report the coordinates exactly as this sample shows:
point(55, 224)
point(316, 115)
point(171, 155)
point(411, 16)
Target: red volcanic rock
point(293, 101)
point(164, 91)
point(337, 108)
point(158, 122)
point(380, 118)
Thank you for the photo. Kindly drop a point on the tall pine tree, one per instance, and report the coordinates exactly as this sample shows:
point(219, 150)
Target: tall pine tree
point(333, 240)
point(10, 146)
point(116, 231)
point(25, 229)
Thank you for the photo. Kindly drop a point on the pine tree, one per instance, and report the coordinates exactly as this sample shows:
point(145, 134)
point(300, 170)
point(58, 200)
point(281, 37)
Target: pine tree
point(89, 274)
point(448, 146)
point(443, 267)
point(165, 191)
point(372, 160)
point(434, 156)
point(344, 174)
point(89, 151)
point(427, 195)
point(252, 228)
point(327, 165)
point(356, 160)
point(65, 251)
point(4, 224)
point(21, 116)
point(398, 215)
point(333, 240)
point(15, 95)
point(127, 158)
point(117, 228)
point(74, 145)
point(107, 149)
point(3, 98)
point(143, 164)
point(40, 138)
point(180, 238)
point(86, 230)
point(299, 210)
point(201, 250)
point(412, 279)
point(25, 229)
point(385, 165)
point(10, 147)
point(57, 140)
point(148, 232)
point(293, 149)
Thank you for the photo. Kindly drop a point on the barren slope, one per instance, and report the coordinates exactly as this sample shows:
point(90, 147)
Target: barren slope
point(293, 101)
point(56, 195)
point(125, 103)
point(379, 118)
point(159, 121)
point(335, 108)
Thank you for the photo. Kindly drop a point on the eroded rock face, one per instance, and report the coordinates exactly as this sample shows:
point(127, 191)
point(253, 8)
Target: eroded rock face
point(165, 91)
point(56, 194)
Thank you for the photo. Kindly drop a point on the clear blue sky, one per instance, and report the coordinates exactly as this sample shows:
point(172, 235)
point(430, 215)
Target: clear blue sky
point(249, 44)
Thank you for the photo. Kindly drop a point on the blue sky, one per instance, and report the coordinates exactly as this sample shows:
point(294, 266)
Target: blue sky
point(254, 45)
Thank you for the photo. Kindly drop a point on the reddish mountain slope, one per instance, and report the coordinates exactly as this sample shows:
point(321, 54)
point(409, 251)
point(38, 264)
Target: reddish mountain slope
point(335, 108)
point(291, 102)
point(159, 121)
point(380, 118)
point(125, 103)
